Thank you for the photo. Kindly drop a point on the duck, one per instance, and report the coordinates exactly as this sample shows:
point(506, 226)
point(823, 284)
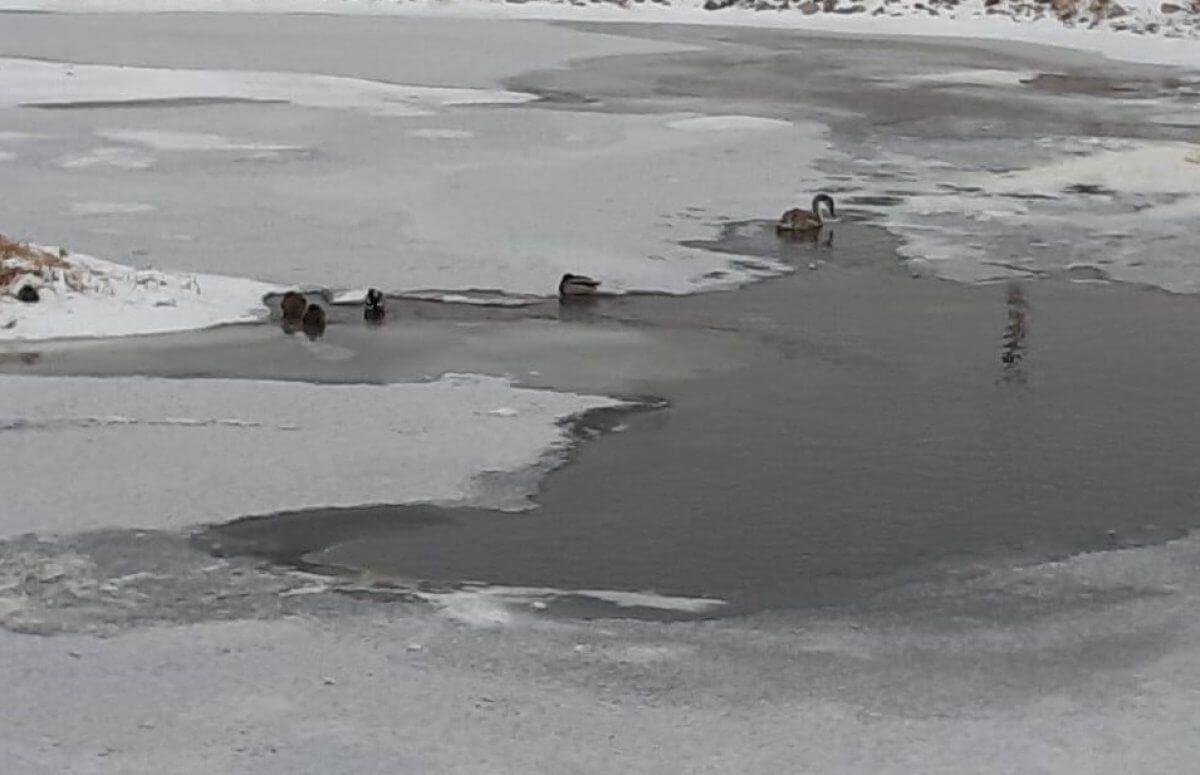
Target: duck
point(373, 306)
point(314, 321)
point(574, 285)
point(796, 220)
point(292, 306)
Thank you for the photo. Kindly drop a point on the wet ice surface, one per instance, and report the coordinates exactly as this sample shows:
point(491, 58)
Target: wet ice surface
point(1090, 664)
point(1086, 665)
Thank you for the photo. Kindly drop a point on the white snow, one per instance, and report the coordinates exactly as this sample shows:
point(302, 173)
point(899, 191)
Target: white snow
point(496, 605)
point(126, 158)
point(18, 137)
point(160, 140)
point(979, 77)
point(96, 298)
point(85, 453)
point(1148, 168)
point(87, 209)
point(433, 133)
point(727, 123)
point(27, 81)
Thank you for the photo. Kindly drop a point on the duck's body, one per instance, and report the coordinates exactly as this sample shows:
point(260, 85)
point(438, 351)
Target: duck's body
point(576, 285)
point(292, 306)
point(314, 321)
point(373, 306)
point(798, 221)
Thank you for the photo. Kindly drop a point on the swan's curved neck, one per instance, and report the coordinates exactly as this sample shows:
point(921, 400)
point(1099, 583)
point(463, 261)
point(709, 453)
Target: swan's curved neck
point(820, 199)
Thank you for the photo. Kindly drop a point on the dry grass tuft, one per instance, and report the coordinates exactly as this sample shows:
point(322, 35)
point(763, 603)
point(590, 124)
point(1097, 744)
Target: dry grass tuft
point(18, 259)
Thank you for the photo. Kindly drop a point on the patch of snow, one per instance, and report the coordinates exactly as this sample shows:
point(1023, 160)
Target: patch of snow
point(442, 134)
point(160, 140)
point(1126, 205)
point(87, 209)
point(496, 605)
point(482, 299)
point(19, 137)
point(727, 124)
point(975, 77)
point(28, 81)
point(1145, 168)
point(90, 297)
point(217, 449)
point(126, 158)
point(652, 600)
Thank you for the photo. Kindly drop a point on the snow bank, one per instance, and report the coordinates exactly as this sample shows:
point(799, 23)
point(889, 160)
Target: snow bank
point(82, 296)
point(1137, 30)
point(88, 453)
point(34, 82)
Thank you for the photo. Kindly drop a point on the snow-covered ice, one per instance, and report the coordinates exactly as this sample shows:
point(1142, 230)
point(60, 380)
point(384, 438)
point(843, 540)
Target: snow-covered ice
point(1160, 169)
point(1126, 207)
point(432, 133)
point(168, 453)
point(976, 77)
point(108, 156)
point(971, 22)
point(496, 605)
point(727, 123)
point(185, 141)
point(1092, 665)
point(109, 208)
point(27, 81)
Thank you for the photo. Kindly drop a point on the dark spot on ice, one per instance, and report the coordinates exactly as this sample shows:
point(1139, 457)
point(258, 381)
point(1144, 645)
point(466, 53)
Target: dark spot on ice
point(878, 201)
point(28, 294)
point(1030, 196)
point(1086, 272)
point(1087, 188)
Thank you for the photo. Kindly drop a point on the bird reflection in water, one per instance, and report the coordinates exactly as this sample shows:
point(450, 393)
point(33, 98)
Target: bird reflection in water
point(1012, 351)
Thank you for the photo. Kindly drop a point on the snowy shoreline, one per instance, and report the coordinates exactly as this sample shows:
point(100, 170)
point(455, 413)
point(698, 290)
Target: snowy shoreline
point(83, 297)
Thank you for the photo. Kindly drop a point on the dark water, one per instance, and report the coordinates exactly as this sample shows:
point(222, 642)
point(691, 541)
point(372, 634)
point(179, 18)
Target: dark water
point(900, 426)
point(858, 427)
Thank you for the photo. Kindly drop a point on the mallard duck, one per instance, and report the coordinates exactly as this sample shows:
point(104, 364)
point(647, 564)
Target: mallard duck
point(373, 306)
point(292, 306)
point(576, 285)
point(797, 220)
point(314, 321)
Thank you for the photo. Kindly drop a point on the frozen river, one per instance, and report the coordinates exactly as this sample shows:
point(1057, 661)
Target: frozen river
point(880, 495)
